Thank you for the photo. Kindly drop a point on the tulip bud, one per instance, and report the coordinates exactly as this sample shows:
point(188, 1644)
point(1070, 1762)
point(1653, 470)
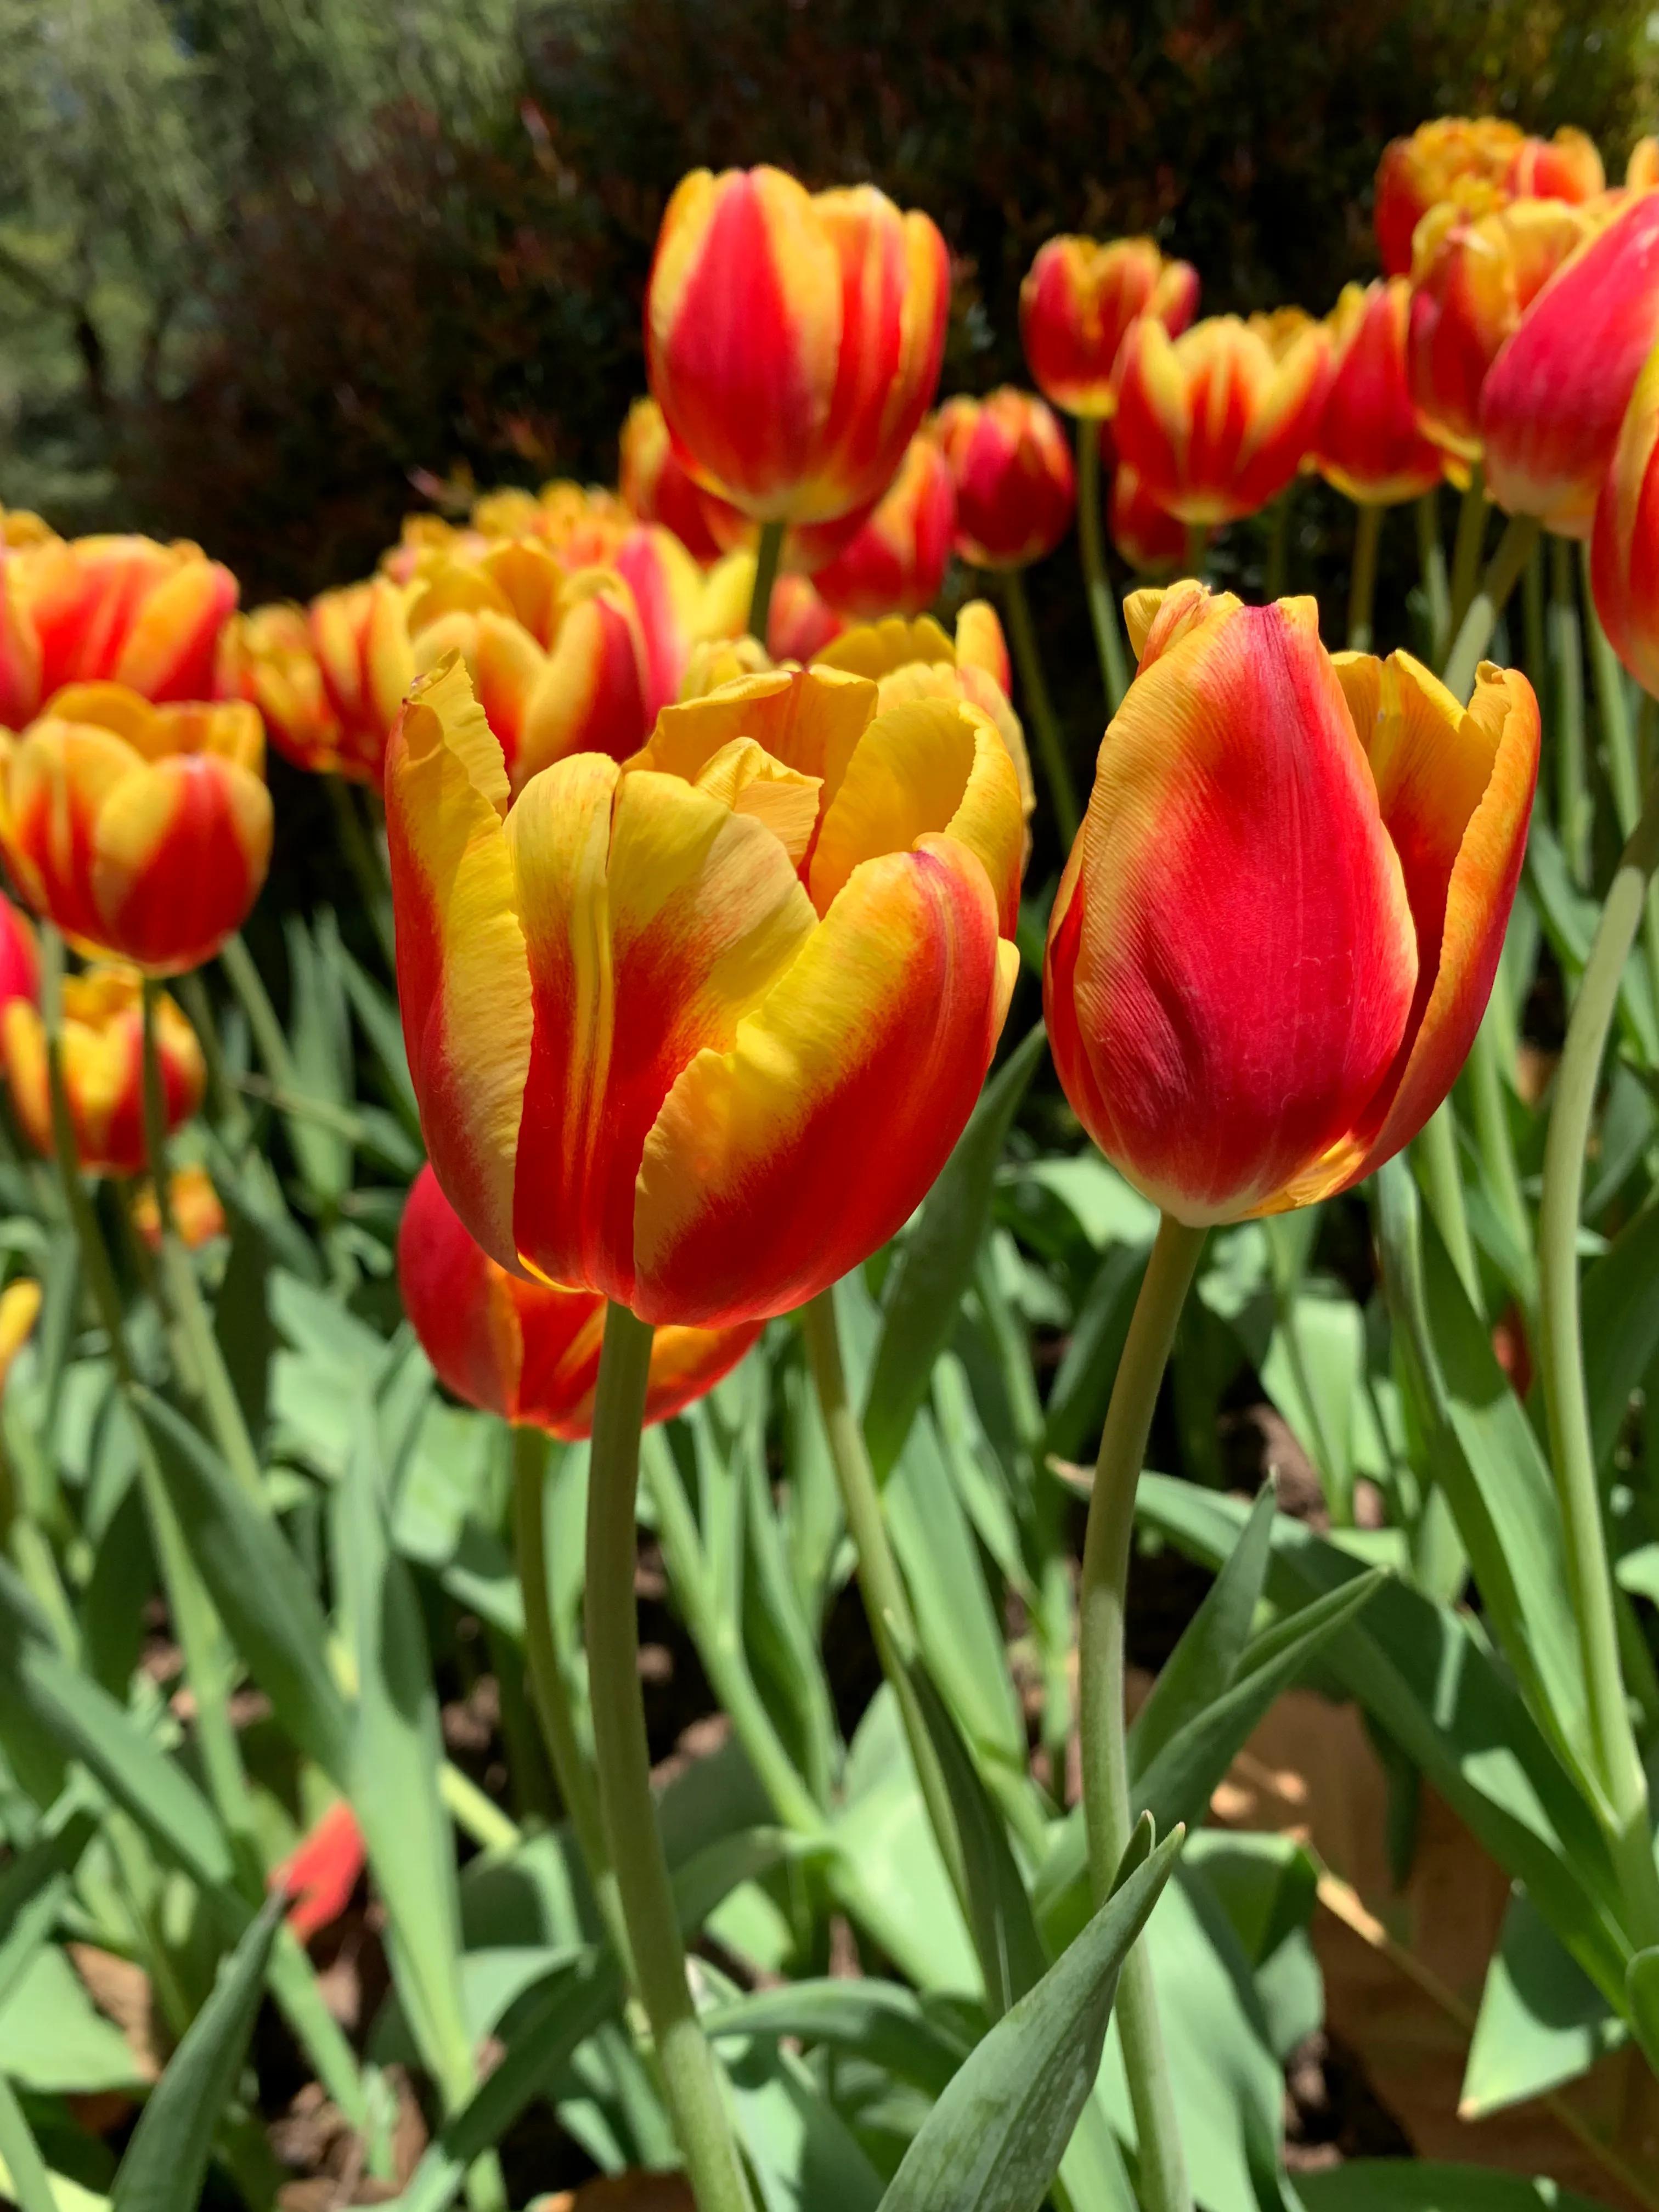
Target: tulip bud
point(1077, 304)
point(145, 831)
point(197, 1216)
point(1625, 549)
point(1276, 934)
point(103, 1065)
point(793, 339)
point(1369, 444)
point(19, 1308)
point(896, 565)
point(1015, 485)
point(1555, 396)
point(656, 488)
point(1216, 423)
point(1436, 163)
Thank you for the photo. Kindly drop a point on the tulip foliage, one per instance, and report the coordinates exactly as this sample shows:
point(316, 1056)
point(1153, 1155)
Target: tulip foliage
point(743, 1162)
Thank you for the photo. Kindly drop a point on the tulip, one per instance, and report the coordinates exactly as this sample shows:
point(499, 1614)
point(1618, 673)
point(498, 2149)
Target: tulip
point(321, 1873)
point(656, 488)
point(529, 1351)
point(328, 679)
point(697, 1032)
point(1439, 162)
point(579, 525)
point(1564, 167)
point(102, 1059)
point(19, 1308)
point(1078, 303)
point(793, 339)
point(1642, 170)
point(679, 604)
point(896, 565)
point(1014, 480)
point(1275, 937)
point(1368, 443)
point(20, 956)
point(1625, 547)
point(798, 623)
point(193, 1205)
point(1472, 281)
point(1555, 396)
point(1149, 538)
point(1216, 423)
point(117, 610)
point(141, 831)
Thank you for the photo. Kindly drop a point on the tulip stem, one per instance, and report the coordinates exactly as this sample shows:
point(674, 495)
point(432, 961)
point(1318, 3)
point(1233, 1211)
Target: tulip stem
point(367, 868)
point(1467, 545)
point(690, 2076)
point(1573, 812)
point(769, 554)
point(1107, 1807)
point(1618, 740)
point(1198, 550)
point(1273, 568)
point(1102, 601)
point(1039, 707)
point(1440, 1172)
point(549, 1691)
point(1436, 591)
point(1533, 631)
point(180, 1290)
point(1480, 620)
point(1362, 577)
point(1616, 1759)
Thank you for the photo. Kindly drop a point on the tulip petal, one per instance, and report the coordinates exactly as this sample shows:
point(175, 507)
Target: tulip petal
point(743, 776)
point(57, 779)
point(459, 1302)
point(179, 851)
point(779, 1162)
point(591, 695)
point(810, 720)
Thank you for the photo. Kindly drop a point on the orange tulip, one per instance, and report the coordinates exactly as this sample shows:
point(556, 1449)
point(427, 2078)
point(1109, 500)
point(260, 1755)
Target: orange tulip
point(1216, 423)
point(1473, 278)
point(1437, 162)
point(1015, 484)
point(656, 488)
point(19, 1308)
point(1624, 547)
point(198, 1217)
point(579, 525)
point(1077, 304)
point(529, 1351)
point(121, 610)
point(1369, 444)
point(1276, 934)
point(103, 1053)
point(896, 565)
point(328, 678)
point(1564, 167)
point(1554, 398)
point(20, 955)
point(141, 831)
point(696, 1032)
point(793, 339)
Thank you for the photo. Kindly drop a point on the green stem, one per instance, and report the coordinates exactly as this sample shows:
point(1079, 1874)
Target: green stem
point(886, 1601)
point(1572, 803)
point(1109, 643)
point(269, 1039)
point(1617, 1762)
point(690, 2077)
point(1440, 1172)
point(1619, 737)
point(1436, 591)
point(1198, 549)
point(227, 1100)
point(1275, 566)
point(1466, 545)
point(367, 868)
point(1474, 630)
point(1039, 707)
point(1533, 630)
point(1489, 1097)
point(1106, 1805)
point(1362, 577)
point(550, 1693)
point(769, 553)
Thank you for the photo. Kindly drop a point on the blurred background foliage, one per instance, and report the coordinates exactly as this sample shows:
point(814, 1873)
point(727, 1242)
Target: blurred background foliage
point(272, 270)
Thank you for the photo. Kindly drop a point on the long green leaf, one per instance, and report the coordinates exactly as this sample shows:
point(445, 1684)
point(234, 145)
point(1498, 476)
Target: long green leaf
point(1620, 1325)
point(891, 2026)
point(33, 1888)
point(23, 2172)
point(1398, 2185)
point(1204, 1661)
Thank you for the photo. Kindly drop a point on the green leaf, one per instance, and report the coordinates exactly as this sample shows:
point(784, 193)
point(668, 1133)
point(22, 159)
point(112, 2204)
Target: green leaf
point(1314, 1372)
point(259, 1587)
point(1397, 2184)
point(53, 2039)
point(995, 2140)
point(1077, 1403)
point(919, 2039)
point(1620, 1325)
point(935, 1261)
point(1205, 1660)
point(166, 2161)
point(33, 1888)
point(23, 2172)
point(1542, 2021)
point(1642, 1992)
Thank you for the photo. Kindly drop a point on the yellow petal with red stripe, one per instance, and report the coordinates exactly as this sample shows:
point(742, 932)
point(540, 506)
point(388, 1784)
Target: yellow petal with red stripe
point(179, 852)
point(810, 720)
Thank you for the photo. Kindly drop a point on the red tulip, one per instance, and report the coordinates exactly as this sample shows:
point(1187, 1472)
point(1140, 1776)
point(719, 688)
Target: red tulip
point(1369, 444)
point(1015, 484)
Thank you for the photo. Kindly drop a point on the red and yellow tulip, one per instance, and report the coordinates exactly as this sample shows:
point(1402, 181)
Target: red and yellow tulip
point(19, 1308)
point(1625, 547)
point(698, 1031)
point(793, 339)
point(1216, 422)
point(198, 1215)
point(1564, 167)
point(20, 955)
point(656, 488)
point(1150, 538)
point(328, 678)
point(102, 1059)
point(1440, 161)
point(1077, 304)
point(1554, 400)
point(1369, 443)
point(1015, 485)
point(142, 831)
point(526, 1350)
point(1235, 1046)
point(896, 564)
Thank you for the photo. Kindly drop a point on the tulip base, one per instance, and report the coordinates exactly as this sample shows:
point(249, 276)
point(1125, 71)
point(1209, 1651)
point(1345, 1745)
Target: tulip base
point(690, 2075)
point(1106, 1804)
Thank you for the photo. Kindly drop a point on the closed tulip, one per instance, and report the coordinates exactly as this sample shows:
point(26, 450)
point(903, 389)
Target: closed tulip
point(793, 339)
point(896, 564)
point(1277, 932)
point(1369, 444)
point(1554, 398)
point(698, 1031)
point(103, 1061)
point(655, 488)
point(529, 1351)
point(1216, 423)
point(1012, 466)
point(117, 610)
point(198, 1215)
point(1078, 303)
point(20, 955)
point(1624, 547)
point(143, 831)
point(1438, 162)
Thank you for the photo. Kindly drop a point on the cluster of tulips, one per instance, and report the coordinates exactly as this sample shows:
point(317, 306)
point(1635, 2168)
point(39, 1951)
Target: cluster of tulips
point(706, 843)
